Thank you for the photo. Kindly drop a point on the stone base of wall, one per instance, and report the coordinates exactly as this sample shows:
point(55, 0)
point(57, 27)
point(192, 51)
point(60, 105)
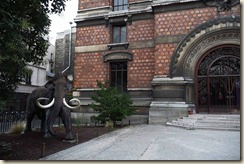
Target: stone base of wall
point(84, 119)
point(142, 98)
point(172, 98)
point(163, 112)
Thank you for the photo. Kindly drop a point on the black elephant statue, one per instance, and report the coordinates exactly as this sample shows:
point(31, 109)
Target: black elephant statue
point(48, 102)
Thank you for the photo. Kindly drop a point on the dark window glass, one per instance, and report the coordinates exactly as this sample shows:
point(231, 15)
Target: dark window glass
point(119, 34)
point(119, 75)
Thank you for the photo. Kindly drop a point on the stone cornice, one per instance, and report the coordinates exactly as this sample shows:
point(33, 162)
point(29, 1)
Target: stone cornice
point(100, 15)
point(104, 47)
point(132, 45)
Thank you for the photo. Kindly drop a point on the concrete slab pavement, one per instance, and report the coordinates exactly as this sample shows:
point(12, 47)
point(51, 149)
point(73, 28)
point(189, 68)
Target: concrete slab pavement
point(156, 142)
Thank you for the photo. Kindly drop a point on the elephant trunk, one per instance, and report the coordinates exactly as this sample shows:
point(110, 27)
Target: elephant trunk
point(53, 115)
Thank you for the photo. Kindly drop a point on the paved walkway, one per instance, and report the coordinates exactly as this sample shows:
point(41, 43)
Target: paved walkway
point(156, 142)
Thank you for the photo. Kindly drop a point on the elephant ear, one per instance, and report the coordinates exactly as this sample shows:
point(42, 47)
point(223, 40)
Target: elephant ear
point(50, 85)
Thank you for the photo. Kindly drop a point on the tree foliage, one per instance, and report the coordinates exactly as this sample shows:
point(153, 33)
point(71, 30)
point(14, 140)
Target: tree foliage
point(111, 103)
point(23, 25)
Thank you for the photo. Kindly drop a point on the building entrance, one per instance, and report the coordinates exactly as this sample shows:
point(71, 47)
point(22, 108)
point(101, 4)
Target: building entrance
point(218, 81)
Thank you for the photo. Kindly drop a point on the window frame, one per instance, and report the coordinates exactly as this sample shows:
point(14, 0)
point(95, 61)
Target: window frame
point(122, 38)
point(118, 6)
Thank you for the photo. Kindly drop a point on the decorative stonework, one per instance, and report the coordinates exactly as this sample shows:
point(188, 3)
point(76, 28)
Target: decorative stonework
point(222, 5)
point(206, 36)
point(117, 56)
point(195, 54)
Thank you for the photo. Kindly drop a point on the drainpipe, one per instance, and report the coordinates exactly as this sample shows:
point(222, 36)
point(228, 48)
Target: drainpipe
point(70, 41)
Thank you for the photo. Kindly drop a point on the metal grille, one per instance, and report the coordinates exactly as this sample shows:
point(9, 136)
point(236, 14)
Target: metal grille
point(219, 81)
point(119, 75)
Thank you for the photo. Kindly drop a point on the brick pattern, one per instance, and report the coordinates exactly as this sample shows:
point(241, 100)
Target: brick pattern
point(177, 23)
point(147, 62)
point(181, 22)
point(85, 4)
point(89, 68)
point(141, 69)
point(92, 35)
point(163, 54)
point(140, 30)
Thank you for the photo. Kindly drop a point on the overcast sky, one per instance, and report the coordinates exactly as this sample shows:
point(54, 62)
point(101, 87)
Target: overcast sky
point(60, 22)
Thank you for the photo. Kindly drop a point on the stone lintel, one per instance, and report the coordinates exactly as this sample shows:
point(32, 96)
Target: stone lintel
point(168, 81)
point(117, 56)
point(92, 48)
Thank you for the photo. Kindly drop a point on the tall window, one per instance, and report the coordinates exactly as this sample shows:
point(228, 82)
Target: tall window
point(120, 5)
point(118, 76)
point(119, 34)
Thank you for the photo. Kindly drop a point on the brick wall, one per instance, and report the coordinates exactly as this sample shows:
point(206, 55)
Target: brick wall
point(140, 30)
point(141, 69)
point(85, 4)
point(179, 23)
point(163, 54)
point(92, 35)
point(89, 68)
point(147, 61)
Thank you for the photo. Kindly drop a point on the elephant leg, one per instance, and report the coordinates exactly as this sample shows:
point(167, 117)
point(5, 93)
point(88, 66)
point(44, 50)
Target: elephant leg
point(44, 121)
point(29, 119)
point(30, 114)
point(43, 126)
point(66, 119)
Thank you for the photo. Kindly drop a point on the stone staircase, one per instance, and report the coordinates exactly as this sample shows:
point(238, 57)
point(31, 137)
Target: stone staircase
point(208, 121)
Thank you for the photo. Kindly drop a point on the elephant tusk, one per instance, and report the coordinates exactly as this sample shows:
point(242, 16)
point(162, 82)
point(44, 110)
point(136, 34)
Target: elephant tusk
point(44, 106)
point(72, 107)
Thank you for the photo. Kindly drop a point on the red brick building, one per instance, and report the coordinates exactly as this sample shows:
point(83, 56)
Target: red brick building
point(171, 56)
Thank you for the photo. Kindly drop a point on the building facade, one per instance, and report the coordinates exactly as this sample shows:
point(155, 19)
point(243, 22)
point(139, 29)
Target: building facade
point(38, 76)
point(64, 48)
point(171, 56)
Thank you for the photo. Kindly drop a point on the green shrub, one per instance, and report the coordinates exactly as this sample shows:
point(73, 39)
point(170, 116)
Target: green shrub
point(17, 128)
point(111, 103)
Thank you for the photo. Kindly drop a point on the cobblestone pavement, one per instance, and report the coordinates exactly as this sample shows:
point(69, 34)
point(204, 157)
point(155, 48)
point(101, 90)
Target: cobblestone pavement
point(156, 142)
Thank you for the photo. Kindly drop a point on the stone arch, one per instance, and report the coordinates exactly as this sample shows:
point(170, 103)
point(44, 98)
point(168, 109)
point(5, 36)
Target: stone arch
point(206, 36)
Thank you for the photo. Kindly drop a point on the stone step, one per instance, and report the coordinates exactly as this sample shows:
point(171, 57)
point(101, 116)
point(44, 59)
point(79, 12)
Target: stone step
point(209, 116)
point(206, 124)
point(191, 127)
point(215, 122)
point(210, 121)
